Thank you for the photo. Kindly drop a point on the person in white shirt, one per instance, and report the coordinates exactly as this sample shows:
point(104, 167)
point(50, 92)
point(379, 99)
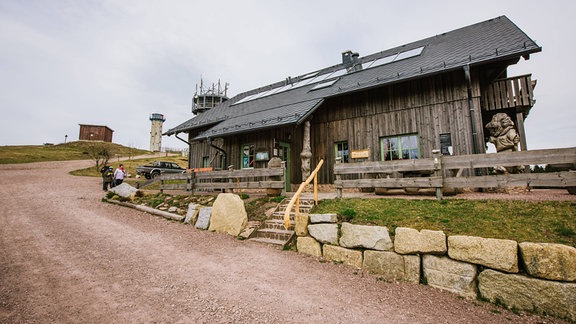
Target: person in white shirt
point(119, 175)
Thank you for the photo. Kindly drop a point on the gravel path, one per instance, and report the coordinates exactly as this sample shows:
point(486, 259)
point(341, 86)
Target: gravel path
point(67, 257)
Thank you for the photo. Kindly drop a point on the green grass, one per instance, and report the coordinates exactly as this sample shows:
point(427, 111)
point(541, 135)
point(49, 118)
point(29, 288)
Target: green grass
point(522, 221)
point(61, 152)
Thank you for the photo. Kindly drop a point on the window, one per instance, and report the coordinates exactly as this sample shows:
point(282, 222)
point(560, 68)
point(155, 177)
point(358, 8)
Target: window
point(247, 156)
point(342, 153)
point(399, 147)
point(206, 162)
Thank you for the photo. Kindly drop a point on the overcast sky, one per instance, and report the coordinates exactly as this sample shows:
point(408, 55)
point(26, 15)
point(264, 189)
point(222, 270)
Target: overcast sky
point(114, 62)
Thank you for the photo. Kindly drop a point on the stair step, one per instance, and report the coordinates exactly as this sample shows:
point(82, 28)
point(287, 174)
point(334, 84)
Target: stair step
point(274, 234)
point(268, 240)
point(276, 224)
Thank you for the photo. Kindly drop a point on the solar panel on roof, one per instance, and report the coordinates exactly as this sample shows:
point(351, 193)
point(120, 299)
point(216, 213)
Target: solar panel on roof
point(324, 84)
point(409, 53)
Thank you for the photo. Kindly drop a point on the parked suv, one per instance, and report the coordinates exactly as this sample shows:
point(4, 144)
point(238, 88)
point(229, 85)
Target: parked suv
point(154, 169)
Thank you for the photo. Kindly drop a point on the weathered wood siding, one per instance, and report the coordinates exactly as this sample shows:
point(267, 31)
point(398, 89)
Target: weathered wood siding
point(95, 133)
point(428, 107)
point(261, 140)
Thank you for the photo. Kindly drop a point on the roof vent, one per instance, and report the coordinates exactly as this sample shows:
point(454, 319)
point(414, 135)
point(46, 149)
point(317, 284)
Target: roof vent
point(350, 61)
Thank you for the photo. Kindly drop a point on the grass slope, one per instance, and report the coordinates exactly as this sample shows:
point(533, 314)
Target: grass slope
point(522, 221)
point(78, 150)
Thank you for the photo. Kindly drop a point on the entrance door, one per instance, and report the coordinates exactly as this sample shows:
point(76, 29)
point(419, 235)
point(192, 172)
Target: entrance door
point(284, 154)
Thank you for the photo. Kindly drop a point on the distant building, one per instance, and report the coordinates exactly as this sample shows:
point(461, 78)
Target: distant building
point(95, 133)
point(156, 132)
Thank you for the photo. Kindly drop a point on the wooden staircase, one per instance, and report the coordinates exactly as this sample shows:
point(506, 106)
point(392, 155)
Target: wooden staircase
point(272, 230)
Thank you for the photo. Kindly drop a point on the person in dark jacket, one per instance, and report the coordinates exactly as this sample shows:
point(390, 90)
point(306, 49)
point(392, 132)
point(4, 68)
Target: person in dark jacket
point(107, 176)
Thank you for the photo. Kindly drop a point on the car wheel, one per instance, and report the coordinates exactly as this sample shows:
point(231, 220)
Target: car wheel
point(147, 176)
point(155, 174)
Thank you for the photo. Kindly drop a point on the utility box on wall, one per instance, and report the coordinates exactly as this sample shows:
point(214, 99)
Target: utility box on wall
point(95, 133)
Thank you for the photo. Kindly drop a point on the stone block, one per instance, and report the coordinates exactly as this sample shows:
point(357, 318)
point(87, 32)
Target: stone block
point(308, 245)
point(301, 222)
point(340, 254)
point(529, 294)
point(393, 265)
point(228, 214)
point(324, 233)
point(549, 261)
point(191, 214)
point(323, 218)
point(493, 253)
point(364, 236)
point(447, 274)
point(411, 241)
point(124, 190)
point(203, 221)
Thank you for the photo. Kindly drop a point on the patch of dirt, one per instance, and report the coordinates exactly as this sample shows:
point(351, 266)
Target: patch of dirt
point(68, 257)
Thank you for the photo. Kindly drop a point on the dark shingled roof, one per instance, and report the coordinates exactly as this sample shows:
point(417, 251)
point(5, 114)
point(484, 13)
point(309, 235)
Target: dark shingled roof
point(291, 101)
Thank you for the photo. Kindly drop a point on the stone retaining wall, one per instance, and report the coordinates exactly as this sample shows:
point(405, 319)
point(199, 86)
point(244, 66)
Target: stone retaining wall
point(535, 277)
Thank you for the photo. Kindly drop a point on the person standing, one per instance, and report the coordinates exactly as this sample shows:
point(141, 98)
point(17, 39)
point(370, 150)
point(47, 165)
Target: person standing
point(107, 176)
point(119, 175)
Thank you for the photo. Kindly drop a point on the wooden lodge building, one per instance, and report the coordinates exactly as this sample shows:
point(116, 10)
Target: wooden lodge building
point(401, 103)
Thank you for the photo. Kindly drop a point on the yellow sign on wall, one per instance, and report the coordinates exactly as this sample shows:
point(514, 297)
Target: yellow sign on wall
point(360, 154)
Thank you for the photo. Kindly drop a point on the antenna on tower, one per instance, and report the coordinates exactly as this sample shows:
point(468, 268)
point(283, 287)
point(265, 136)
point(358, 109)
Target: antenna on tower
point(206, 99)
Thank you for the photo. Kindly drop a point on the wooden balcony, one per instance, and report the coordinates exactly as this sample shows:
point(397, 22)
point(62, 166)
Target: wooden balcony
point(515, 92)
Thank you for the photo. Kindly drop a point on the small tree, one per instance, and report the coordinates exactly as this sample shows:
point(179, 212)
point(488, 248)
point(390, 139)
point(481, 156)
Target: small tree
point(100, 153)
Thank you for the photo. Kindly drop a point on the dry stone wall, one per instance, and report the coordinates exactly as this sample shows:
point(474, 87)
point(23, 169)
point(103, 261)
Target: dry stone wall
point(536, 277)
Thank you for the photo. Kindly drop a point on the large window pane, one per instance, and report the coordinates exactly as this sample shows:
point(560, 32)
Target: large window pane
point(399, 147)
point(247, 156)
point(341, 152)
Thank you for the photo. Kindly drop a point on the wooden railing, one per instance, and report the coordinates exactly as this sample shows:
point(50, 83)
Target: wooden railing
point(509, 93)
point(441, 172)
point(296, 198)
point(261, 178)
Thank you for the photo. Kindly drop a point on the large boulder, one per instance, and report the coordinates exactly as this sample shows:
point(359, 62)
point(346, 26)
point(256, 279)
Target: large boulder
point(493, 253)
point(393, 265)
point(124, 190)
point(529, 294)
point(325, 233)
point(447, 274)
point(228, 214)
point(364, 236)
point(411, 241)
point(549, 261)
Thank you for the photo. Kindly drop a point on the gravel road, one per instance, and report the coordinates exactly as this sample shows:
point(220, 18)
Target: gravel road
point(67, 257)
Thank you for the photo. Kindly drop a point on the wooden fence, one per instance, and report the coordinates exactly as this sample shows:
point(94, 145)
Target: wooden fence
point(263, 178)
point(443, 172)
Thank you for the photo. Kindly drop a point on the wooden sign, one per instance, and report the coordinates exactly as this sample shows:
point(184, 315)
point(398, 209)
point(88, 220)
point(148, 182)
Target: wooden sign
point(360, 154)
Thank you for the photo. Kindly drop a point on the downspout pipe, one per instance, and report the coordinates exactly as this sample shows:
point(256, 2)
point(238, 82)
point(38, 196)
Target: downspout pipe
point(189, 149)
point(219, 149)
point(471, 109)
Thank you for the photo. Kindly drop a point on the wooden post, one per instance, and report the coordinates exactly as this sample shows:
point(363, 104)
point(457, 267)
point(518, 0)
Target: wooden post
point(283, 192)
point(438, 171)
point(306, 153)
point(316, 190)
point(522, 135)
point(338, 190)
point(230, 180)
